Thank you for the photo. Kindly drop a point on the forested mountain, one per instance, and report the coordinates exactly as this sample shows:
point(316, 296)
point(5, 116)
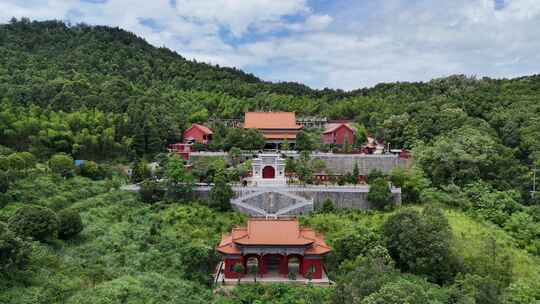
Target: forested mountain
point(469, 231)
point(95, 91)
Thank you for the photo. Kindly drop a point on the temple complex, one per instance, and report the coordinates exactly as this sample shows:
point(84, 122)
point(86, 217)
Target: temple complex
point(277, 248)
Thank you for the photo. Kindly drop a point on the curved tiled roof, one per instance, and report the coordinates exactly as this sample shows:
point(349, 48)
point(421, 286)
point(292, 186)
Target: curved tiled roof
point(276, 232)
point(271, 120)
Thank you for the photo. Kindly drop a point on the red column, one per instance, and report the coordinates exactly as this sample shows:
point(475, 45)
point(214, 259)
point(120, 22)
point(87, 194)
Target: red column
point(284, 266)
point(262, 266)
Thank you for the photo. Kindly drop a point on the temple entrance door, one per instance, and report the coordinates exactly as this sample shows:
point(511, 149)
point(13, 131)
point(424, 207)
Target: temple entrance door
point(252, 266)
point(268, 172)
point(273, 262)
point(294, 264)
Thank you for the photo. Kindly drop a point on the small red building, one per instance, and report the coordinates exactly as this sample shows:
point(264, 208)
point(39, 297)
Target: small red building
point(338, 133)
point(198, 133)
point(278, 246)
point(181, 149)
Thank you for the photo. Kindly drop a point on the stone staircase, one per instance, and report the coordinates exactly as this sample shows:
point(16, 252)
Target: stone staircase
point(272, 203)
point(296, 209)
point(250, 210)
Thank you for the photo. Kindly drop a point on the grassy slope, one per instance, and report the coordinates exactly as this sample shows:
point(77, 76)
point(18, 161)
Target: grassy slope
point(469, 237)
point(118, 248)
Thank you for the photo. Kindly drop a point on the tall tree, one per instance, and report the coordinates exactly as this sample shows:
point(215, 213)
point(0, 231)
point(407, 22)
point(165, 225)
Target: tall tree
point(180, 181)
point(379, 193)
point(221, 192)
point(420, 243)
point(303, 142)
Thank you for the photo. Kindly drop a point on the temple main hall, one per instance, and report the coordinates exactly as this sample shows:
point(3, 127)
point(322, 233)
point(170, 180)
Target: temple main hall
point(276, 127)
point(279, 248)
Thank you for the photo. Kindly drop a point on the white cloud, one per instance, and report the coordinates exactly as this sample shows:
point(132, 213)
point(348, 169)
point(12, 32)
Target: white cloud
point(239, 15)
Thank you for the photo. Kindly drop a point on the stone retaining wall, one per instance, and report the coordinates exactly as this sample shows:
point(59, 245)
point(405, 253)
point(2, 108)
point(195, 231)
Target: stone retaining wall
point(344, 163)
point(272, 202)
point(336, 163)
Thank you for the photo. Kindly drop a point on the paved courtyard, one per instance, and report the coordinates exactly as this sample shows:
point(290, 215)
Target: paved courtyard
point(269, 278)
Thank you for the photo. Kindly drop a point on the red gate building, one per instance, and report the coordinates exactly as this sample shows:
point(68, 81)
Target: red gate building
point(278, 246)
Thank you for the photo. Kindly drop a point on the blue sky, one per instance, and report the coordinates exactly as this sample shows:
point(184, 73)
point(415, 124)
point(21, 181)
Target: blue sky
point(343, 44)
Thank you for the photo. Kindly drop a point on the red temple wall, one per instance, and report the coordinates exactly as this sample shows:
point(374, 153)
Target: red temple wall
point(229, 263)
point(283, 268)
point(339, 136)
point(342, 133)
point(316, 263)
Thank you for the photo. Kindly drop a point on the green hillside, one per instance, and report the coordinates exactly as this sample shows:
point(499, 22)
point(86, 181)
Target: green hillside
point(133, 252)
point(145, 94)
point(468, 230)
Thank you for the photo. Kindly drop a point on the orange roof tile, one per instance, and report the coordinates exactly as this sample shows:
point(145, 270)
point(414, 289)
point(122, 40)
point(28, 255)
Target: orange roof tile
point(278, 232)
point(331, 127)
point(271, 120)
point(272, 232)
point(227, 246)
point(319, 245)
point(204, 129)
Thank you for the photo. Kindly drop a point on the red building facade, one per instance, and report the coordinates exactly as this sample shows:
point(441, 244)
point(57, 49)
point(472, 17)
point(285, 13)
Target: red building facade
point(198, 133)
point(338, 134)
point(278, 246)
point(180, 149)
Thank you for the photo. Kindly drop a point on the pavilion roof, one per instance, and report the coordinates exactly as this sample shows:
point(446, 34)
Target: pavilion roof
point(271, 120)
point(275, 232)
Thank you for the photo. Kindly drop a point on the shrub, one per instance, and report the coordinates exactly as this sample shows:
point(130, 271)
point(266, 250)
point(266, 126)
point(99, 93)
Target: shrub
point(150, 192)
point(140, 172)
point(364, 276)
point(374, 175)
point(401, 292)
point(5, 150)
point(14, 251)
point(350, 244)
point(303, 142)
point(4, 182)
point(379, 193)
point(37, 222)
point(61, 164)
point(90, 169)
point(411, 181)
point(69, 223)
point(221, 193)
point(328, 206)
point(421, 243)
